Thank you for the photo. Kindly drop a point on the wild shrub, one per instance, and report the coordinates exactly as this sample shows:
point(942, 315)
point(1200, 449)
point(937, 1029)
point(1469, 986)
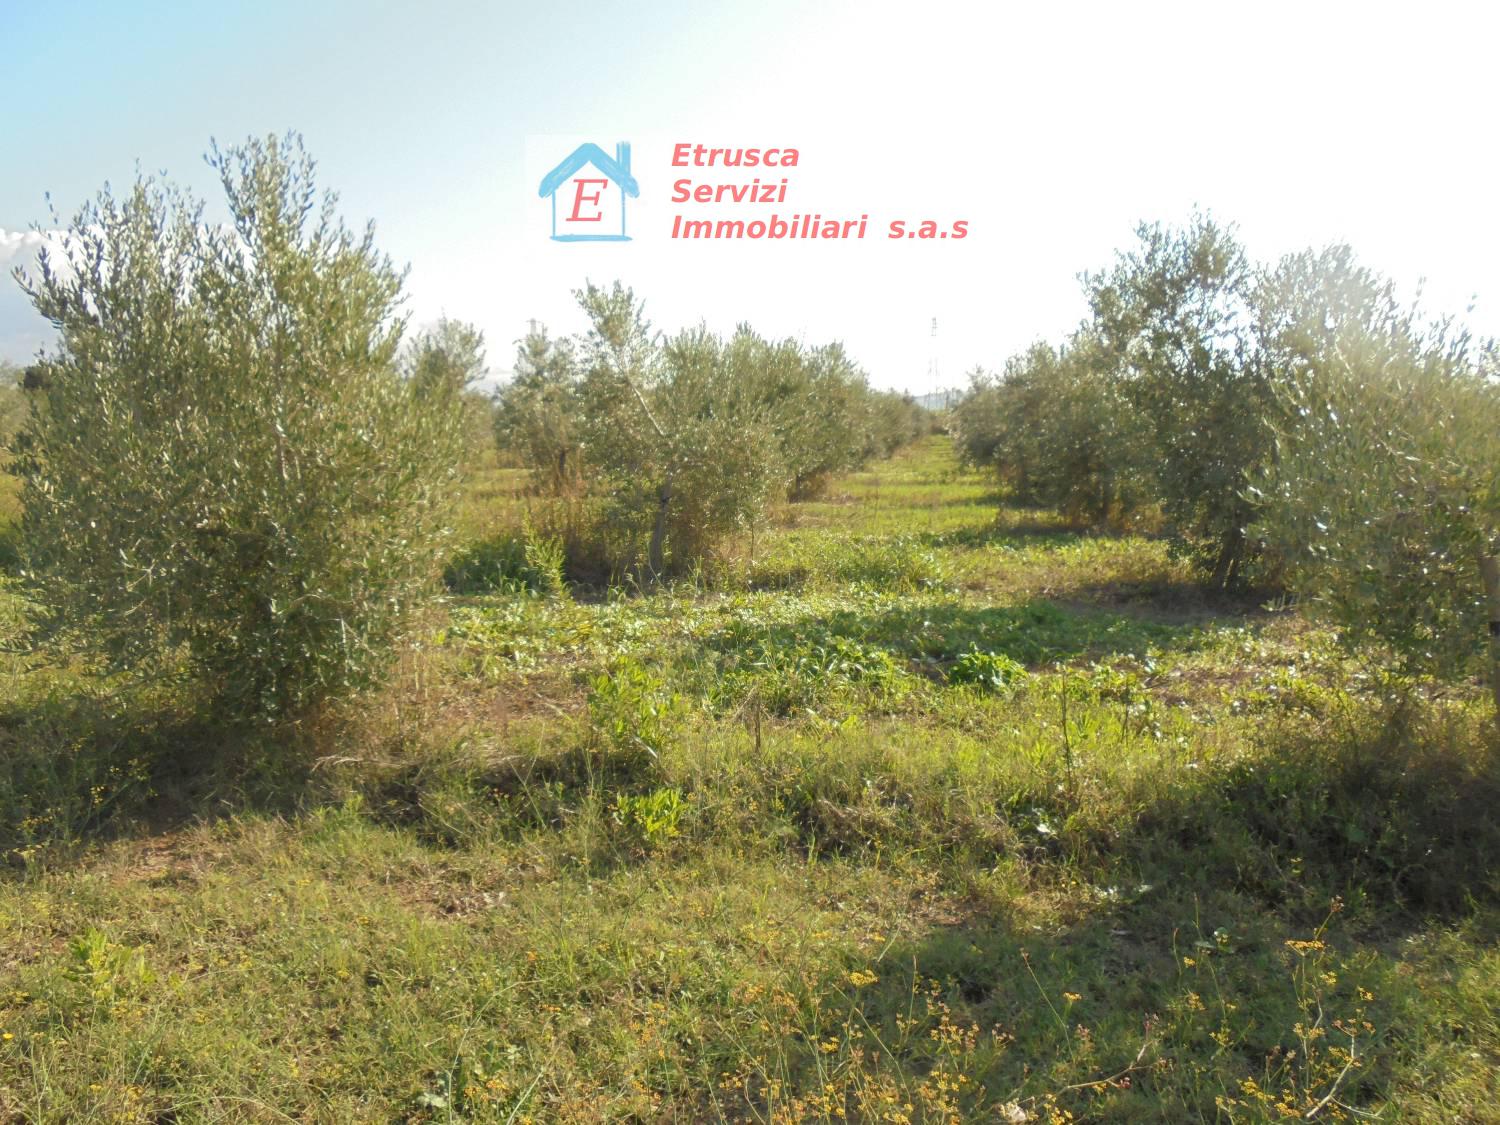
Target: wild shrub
point(104, 972)
point(508, 564)
point(225, 475)
point(633, 710)
point(651, 818)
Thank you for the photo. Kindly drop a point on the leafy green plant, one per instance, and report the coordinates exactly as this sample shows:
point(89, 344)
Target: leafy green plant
point(653, 818)
point(104, 971)
point(897, 563)
point(633, 709)
point(545, 558)
point(988, 671)
point(803, 672)
point(508, 564)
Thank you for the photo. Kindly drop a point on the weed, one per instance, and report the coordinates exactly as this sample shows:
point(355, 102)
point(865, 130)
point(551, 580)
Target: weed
point(105, 972)
point(633, 710)
point(988, 671)
point(507, 564)
point(652, 818)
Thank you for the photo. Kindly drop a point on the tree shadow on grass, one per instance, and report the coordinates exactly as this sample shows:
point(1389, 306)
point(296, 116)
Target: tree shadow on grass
point(1253, 894)
point(1031, 532)
point(1033, 633)
point(511, 794)
point(88, 767)
point(1392, 809)
point(1173, 597)
point(1166, 591)
point(85, 768)
point(989, 500)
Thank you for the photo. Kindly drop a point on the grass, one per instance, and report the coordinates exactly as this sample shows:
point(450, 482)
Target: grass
point(928, 810)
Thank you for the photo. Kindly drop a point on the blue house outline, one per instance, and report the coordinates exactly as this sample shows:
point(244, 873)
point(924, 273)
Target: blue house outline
point(616, 167)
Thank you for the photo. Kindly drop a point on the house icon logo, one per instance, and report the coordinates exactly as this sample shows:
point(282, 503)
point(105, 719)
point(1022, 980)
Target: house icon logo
point(593, 186)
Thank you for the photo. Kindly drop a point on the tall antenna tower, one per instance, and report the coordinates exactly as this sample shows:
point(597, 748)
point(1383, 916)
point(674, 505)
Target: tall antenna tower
point(932, 362)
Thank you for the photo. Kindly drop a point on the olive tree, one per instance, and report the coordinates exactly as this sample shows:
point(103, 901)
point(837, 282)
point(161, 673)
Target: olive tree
point(826, 432)
point(684, 454)
point(895, 419)
point(447, 358)
point(1090, 459)
point(673, 443)
point(1174, 323)
point(816, 401)
point(977, 420)
point(225, 473)
point(1384, 494)
point(12, 400)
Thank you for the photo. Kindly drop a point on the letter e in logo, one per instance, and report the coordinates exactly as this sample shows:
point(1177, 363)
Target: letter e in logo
point(580, 196)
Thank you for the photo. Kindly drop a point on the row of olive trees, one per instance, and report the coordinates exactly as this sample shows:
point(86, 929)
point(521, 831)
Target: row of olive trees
point(233, 470)
point(1294, 421)
point(238, 468)
point(1158, 402)
point(682, 440)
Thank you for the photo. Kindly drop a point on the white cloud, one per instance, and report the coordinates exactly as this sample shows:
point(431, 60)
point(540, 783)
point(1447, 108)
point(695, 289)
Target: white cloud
point(22, 331)
point(19, 247)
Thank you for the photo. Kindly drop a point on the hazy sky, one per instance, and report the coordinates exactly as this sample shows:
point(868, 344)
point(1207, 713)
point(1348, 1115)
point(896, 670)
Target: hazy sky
point(1051, 129)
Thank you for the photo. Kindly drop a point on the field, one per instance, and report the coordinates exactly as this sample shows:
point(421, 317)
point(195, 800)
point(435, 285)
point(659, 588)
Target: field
point(917, 808)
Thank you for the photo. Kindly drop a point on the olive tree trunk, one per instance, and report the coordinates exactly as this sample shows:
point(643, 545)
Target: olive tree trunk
point(1489, 567)
point(655, 553)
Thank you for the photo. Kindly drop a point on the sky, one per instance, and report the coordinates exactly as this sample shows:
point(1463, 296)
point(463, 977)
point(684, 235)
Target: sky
point(1051, 130)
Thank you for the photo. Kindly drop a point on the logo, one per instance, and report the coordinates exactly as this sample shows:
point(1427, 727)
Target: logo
point(588, 192)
